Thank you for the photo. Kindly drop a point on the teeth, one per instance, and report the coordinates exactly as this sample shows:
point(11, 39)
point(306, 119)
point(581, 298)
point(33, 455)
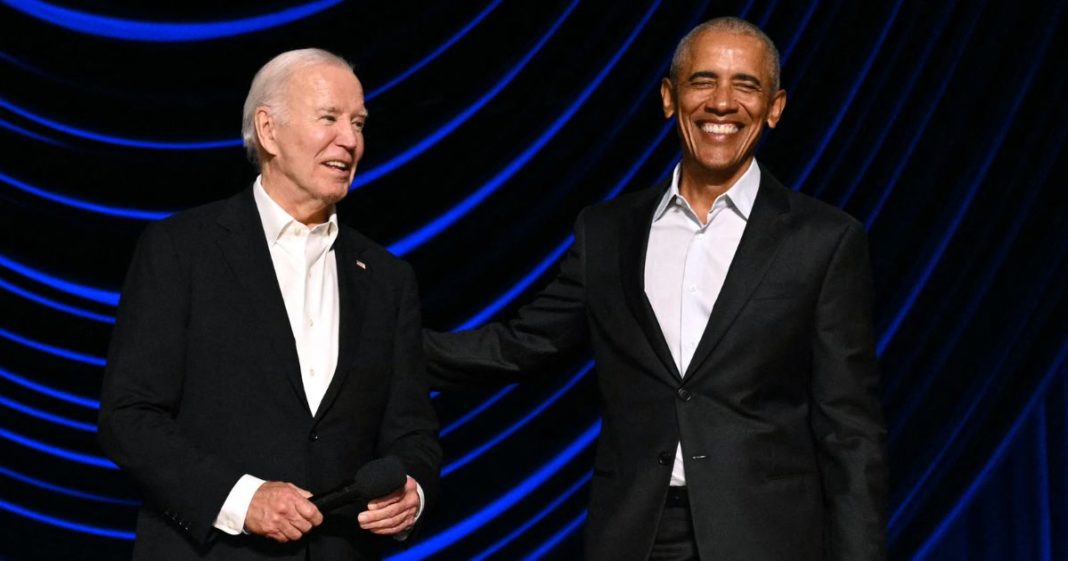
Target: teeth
point(338, 165)
point(719, 128)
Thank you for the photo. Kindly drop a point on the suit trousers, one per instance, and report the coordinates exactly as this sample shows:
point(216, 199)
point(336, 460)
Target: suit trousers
point(674, 536)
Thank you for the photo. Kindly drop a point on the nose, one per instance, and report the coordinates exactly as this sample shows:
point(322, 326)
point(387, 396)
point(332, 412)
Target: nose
point(720, 101)
point(347, 137)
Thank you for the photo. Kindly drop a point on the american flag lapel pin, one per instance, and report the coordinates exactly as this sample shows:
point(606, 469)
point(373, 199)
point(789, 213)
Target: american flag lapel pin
point(361, 264)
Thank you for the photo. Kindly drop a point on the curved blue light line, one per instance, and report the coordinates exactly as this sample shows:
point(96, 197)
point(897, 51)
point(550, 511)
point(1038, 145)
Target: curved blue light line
point(88, 459)
point(46, 416)
point(470, 456)
point(966, 203)
point(55, 305)
point(476, 411)
point(66, 490)
point(801, 26)
point(556, 538)
point(903, 96)
point(84, 205)
point(996, 456)
point(497, 545)
point(98, 295)
point(57, 351)
point(436, 53)
point(849, 98)
point(28, 133)
point(51, 392)
point(65, 524)
point(118, 140)
point(420, 236)
point(161, 31)
point(363, 178)
point(433, 544)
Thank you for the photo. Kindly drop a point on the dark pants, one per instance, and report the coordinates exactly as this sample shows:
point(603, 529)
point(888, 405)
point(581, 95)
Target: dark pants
point(674, 537)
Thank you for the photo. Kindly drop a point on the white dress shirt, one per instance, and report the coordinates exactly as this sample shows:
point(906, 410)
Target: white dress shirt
point(306, 269)
point(686, 263)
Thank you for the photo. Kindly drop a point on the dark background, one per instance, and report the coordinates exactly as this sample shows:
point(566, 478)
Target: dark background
point(941, 125)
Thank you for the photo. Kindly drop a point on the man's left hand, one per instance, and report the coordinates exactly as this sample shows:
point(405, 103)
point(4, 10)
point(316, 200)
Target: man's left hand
point(392, 514)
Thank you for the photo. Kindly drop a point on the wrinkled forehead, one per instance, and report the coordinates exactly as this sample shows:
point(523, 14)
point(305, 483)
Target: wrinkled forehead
point(331, 84)
point(718, 47)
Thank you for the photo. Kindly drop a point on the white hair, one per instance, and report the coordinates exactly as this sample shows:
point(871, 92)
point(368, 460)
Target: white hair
point(269, 87)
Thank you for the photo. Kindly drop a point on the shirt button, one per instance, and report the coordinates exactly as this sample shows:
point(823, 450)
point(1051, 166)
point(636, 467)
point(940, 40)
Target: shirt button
point(665, 459)
point(311, 372)
point(693, 288)
point(311, 323)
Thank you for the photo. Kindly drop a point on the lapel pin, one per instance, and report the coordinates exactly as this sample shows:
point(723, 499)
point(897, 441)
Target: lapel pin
point(361, 264)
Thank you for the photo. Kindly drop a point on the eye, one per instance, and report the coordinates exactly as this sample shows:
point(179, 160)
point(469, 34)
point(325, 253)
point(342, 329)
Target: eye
point(328, 118)
point(358, 124)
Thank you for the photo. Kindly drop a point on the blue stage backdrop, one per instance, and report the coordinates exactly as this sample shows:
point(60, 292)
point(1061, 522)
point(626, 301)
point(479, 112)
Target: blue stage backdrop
point(940, 125)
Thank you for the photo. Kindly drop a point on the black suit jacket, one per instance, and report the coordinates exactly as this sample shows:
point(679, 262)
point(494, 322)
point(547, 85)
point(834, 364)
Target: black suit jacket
point(778, 414)
point(203, 385)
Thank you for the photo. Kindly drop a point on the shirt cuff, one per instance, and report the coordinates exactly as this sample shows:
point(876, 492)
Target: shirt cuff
point(231, 518)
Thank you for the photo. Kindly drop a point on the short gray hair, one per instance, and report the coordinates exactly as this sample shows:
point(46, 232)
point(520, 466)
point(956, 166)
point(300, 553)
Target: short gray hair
point(731, 25)
point(269, 86)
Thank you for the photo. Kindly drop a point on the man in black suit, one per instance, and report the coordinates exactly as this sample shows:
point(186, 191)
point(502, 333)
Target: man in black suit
point(263, 350)
point(730, 319)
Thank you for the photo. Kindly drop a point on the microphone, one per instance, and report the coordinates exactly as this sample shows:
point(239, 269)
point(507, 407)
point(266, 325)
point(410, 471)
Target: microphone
point(375, 479)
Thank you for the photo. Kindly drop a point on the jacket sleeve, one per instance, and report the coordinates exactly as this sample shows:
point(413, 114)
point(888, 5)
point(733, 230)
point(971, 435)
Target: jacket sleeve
point(545, 333)
point(409, 425)
point(142, 390)
point(847, 418)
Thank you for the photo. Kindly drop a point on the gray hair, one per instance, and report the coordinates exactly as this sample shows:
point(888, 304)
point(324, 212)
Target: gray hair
point(269, 87)
point(731, 25)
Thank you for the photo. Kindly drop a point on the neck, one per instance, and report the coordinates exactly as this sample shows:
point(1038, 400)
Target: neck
point(700, 187)
point(303, 209)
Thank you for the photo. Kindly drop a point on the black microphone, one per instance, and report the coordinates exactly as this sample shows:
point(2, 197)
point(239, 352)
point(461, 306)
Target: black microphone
point(375, 479)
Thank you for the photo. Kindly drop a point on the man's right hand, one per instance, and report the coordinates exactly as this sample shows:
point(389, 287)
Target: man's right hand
point(282, 512)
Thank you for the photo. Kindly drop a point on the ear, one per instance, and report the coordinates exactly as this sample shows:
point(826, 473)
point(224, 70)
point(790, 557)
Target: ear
point(266, 130)
point(778, 103)
point(667, 96)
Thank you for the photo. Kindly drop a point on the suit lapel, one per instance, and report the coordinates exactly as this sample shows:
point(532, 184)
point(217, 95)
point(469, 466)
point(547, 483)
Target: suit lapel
point(245, 250)
point(633, 244)
point(353, 282)
point(756, 250)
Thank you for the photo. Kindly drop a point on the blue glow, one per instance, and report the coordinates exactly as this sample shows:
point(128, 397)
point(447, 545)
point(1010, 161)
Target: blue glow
point(363, 178)
point(51, 392)
point(65, 524)
point(903, 95)
point(966, 202)
point(436, 53)
point(995, 458)
point(46, 416)
point(99, 295)
point(470, 456)
point(55, 305)
point(28, 133)
point(83, 205)
point(88, 459)
point(535, 519)
point(556, 538)
point(57, 351)
point(797, 34)
point(432, 545)
point(849, 99)
point(420, 236)
point(118, 140)
point(476, 411)
point(66, 490)
point(160, 31)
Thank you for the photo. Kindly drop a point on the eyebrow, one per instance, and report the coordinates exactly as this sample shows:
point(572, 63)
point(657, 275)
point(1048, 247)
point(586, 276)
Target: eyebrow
point(331, 109)
point(709, 74)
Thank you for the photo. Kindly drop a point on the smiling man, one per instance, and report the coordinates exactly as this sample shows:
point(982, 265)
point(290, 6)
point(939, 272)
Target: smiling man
point(264, 351)
point(730, 319)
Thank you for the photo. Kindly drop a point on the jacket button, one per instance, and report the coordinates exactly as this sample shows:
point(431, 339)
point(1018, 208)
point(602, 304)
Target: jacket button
point(313, 436)
point(684, 394)
point(665, 459)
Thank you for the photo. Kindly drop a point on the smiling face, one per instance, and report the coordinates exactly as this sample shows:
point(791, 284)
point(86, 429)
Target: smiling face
point(723, 101)
point(314, 141)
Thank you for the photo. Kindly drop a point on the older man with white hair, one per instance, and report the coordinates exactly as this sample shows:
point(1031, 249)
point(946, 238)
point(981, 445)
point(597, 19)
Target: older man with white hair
point(263, 351)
